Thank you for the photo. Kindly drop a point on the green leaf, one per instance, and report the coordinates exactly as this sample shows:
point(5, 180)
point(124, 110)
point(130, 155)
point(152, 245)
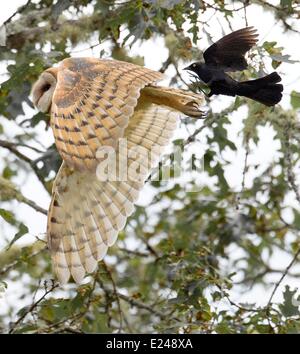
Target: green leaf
point(283, 58)
point(23, 229)
point(286, 3)
point(295, 99)
point(8, 216)
point(269, 46)
point(166, 4)
point(275, 64)
point(47, 313)
point(26, 329)
point(37, 118)
point(8, 173)
point(291, 303)
point(23, 311)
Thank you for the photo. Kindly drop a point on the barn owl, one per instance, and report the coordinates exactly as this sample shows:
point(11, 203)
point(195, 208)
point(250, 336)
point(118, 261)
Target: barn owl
point(94, 103)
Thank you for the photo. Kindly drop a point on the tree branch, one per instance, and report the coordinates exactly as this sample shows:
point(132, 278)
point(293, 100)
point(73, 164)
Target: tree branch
point(33, 306)
point(12, 147)
point(285, 273)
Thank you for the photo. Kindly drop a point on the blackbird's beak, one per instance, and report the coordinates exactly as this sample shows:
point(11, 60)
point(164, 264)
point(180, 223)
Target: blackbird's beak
point(187, 68)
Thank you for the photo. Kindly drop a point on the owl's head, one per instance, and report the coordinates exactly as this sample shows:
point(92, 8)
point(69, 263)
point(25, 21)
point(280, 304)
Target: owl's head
point(42, 90)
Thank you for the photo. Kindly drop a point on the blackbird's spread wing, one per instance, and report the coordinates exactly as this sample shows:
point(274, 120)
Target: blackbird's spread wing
point(229, 51)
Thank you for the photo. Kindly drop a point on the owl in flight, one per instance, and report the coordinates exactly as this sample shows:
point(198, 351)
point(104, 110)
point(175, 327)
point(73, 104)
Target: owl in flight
point(93, 104)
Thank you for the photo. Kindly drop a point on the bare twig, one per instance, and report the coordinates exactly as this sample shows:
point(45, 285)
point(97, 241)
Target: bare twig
point(33, 306)
point(115, 292)
point(17, 12)
point(135, 253)
point(285, 273)
point(31, 203)
point(12, 147)
point(141, 305)
point(288, 157)
point(245, 169)
point(15, 263)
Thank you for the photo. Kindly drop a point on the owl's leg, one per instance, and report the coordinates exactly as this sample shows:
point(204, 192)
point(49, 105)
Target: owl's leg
point(183, 101)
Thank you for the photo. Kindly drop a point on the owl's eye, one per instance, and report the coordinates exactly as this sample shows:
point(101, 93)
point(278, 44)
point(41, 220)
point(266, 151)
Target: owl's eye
point(46, 87)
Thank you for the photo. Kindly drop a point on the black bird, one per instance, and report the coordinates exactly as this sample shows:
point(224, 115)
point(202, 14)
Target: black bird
point(226, 55)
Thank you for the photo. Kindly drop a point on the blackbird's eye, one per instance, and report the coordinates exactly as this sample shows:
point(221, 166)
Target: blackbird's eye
point(194, 65)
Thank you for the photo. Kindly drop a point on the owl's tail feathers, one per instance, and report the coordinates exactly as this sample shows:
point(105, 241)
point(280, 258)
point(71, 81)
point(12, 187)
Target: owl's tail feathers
point(184, 101)
point(84, 219)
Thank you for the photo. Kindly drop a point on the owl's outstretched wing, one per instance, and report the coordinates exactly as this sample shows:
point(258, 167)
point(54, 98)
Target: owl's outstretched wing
point(91, 106)
point(86, 214)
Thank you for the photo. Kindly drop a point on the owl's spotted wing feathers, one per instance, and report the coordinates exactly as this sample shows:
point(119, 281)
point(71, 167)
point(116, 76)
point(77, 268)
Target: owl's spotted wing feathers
point(83, 224)
point(92, 104)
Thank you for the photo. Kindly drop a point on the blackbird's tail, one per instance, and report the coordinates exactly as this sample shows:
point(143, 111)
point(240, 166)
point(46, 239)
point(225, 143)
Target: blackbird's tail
point(265, 90)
